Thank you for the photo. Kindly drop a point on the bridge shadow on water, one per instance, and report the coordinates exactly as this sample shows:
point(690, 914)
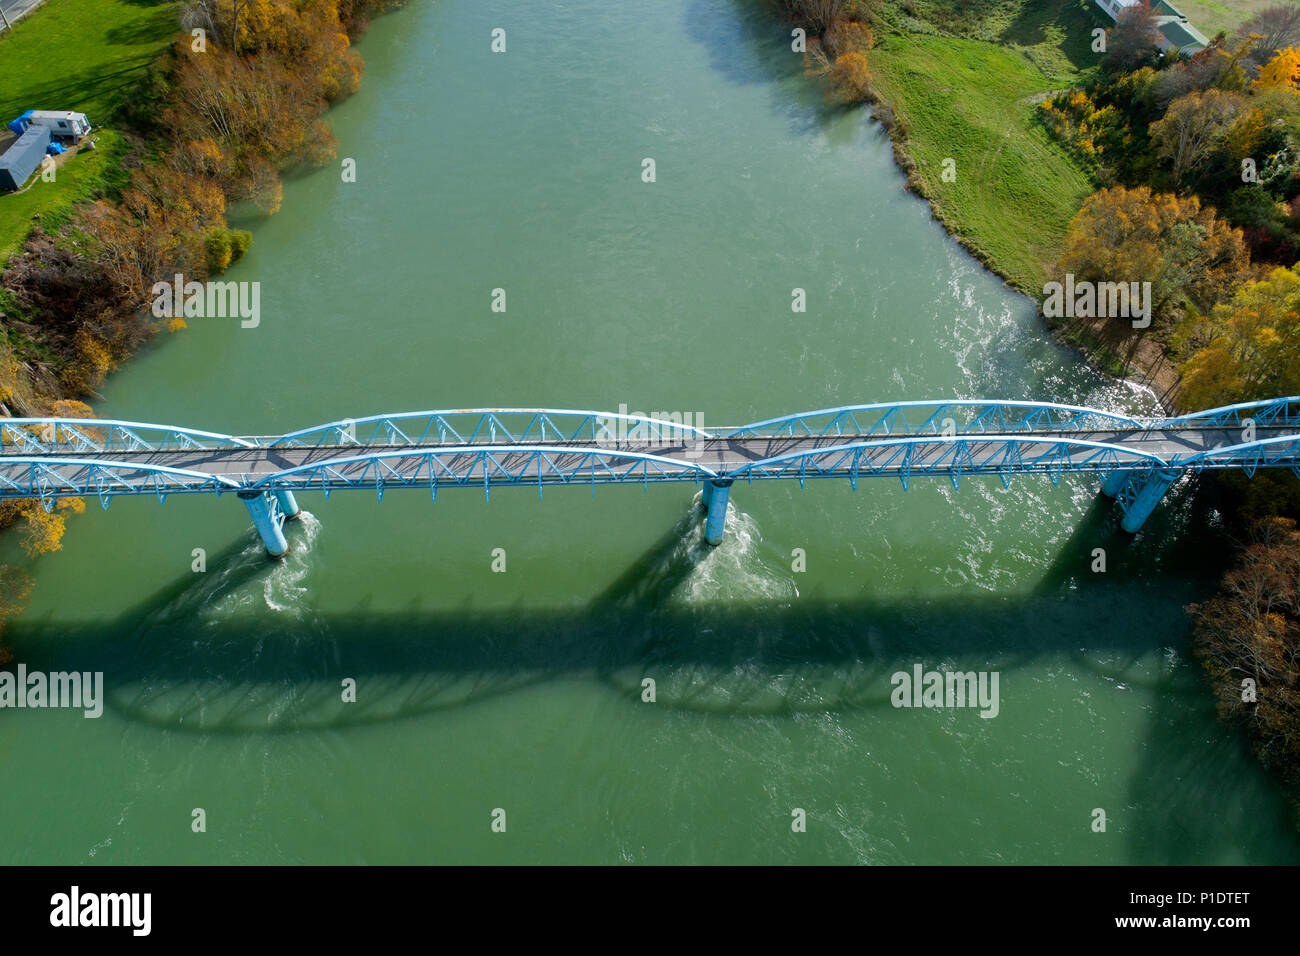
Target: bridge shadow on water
point(213, 637)
point(173, 664)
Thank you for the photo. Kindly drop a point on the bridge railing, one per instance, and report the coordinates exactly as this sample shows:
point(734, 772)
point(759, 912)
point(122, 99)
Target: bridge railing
point(49, 436)
point(1280, 451)
point(50, 477)
point(956, 417)
point(494, 426)
point(483, 466)
point(904, 457)
point(1275, 412)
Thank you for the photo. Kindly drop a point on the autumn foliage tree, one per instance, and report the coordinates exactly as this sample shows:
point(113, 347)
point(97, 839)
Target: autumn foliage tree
point(850, 80)
point(1273, 28)
point(1194, 126)
point(1247, 638)
point(1247, 347)
point(1282, 71)
point(42, 529)
point(1134, 235)
point(1134, 39)
point(847, 36)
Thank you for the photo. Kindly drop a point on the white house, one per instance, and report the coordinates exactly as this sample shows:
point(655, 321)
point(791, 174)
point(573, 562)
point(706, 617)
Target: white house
point(1176, 30)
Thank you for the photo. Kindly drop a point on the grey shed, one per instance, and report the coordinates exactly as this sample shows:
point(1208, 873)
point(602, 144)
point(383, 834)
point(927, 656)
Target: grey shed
point(21, 159)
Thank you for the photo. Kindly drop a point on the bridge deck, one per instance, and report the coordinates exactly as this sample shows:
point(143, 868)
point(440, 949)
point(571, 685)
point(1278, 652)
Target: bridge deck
point(273, 466)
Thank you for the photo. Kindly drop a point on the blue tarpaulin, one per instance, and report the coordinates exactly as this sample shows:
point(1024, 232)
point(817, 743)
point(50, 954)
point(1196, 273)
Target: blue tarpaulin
point(19, 126)
point(55, 148)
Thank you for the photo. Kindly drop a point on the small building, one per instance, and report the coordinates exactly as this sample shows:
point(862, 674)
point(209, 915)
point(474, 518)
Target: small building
point(23, 157)
point(1176, 31)
point(62, 124)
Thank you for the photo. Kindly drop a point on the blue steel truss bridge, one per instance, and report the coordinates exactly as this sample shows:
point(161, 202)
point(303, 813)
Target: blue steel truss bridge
point(1136, 459)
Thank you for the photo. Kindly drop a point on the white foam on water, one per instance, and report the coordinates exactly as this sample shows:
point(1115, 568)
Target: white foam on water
point(283, 589)
point(225, 590)
point(735, 569)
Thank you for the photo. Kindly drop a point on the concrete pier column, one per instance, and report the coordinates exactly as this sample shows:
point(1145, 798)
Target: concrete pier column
point(1115, 482)
point(288, 505)
point(706, 493)
point(1147, 498)
point(718, 490)
point(259, 506)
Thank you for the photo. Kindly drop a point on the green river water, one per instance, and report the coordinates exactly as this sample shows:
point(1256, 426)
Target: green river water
point(522, 690)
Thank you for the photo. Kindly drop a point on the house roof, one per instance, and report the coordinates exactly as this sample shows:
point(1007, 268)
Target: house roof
point(1173, 24)
point(1182, 34)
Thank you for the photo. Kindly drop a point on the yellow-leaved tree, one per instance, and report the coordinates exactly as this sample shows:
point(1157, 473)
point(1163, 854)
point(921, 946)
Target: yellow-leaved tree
point(1247, 347)
point(850, 80)
point(1281, 71)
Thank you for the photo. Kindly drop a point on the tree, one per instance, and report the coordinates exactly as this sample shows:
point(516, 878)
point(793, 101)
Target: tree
point(1282, 71)
point(1133, 235)
point(201, 14)
point(1246, 348)
point(850, 80)
point(818, 14)
point(1250, 630)
point(847, 36)
point(1193, 127)
point(1134, 39)
point(1273, 29)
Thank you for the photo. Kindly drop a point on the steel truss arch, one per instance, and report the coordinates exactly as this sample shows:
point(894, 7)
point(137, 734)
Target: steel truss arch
point(81, 435)
point(491, 425)
point(467, 465)
point(956, 457)
point(49, 478)
point(968, 416)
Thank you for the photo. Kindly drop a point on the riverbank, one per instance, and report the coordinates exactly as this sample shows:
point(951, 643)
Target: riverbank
point(87, 56)
point(194, 126)
point(960, 114)
point(523, 689)
point(958, 96)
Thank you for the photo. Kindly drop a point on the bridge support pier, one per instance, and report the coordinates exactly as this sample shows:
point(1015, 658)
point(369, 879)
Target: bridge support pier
point(288, 505)
point(1147, 498)
point(266, 521)
point(1115, 483)
point(716, 492)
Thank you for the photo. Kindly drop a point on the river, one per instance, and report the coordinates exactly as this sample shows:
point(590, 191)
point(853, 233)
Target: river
point(521, 691)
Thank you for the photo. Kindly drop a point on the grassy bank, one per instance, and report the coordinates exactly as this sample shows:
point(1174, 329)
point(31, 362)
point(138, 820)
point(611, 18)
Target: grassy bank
point(971, 101)
point(82, 55)
point(184, 135)
point(1211, 16)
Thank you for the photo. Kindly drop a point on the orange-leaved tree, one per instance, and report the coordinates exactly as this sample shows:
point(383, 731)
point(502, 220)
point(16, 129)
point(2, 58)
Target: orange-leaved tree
point(847, 36)
point(42, 529)
point(1134, 235)
point(850, 80)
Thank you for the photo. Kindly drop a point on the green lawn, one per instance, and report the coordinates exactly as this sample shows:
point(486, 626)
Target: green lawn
point(84, 176)
point(1055, 35)
point(1211, 16)
point(82, 55)
point(968, 100)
